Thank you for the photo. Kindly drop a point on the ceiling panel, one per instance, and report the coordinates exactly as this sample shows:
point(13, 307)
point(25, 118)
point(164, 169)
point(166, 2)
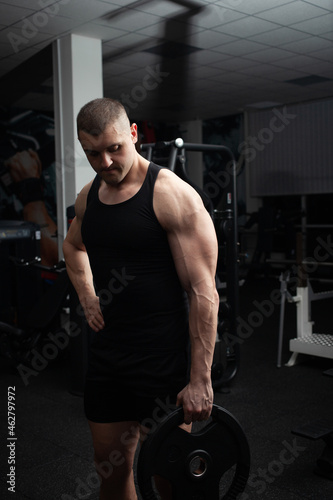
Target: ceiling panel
point(247, 26)
point(328, 35)
point(213, 15)
point(10, 15)
point(208, 39)
point(240, 47)
point(248, 50)
point(124, 41)
point(234, 64)
point(34, 5)
point(252, 7)
point(297, 62)
point(279, 37)
point(308, 45)
point(129, 20)
point(317, 26)
point(325, 4)
point(85, 10)
point(269, 55)
point(96, 30)
point(292, 13)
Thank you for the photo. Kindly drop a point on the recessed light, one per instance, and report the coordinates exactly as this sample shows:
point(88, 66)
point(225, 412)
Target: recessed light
point(308, 80)
point(172, 50)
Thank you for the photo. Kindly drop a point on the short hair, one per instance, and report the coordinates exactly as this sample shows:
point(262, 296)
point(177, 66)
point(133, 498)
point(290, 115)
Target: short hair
point(96, 115)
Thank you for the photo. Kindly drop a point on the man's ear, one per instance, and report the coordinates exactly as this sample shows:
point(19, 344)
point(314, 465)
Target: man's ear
point(134, 132)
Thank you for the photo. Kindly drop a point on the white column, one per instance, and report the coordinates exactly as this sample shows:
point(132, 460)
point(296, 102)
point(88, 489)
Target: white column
point(78, 78)
point(192, 132)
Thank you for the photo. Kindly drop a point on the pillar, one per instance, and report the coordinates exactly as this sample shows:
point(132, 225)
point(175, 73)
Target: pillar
point(77, 79)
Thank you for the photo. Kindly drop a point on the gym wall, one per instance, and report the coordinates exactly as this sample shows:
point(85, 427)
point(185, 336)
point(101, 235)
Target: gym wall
point(289, 150)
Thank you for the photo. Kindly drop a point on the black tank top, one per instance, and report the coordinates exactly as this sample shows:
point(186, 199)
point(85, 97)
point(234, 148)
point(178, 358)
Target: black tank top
point(143, 303)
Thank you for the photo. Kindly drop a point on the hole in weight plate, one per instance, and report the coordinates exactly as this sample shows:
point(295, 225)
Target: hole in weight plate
point(197, 466)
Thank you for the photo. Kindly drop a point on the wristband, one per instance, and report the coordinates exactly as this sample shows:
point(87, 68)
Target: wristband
point(29, 190)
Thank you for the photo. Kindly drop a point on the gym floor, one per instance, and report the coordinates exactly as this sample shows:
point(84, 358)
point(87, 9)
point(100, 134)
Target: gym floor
point(53, 452)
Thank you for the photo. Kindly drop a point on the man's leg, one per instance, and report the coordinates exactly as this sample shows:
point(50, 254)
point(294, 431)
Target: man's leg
point(163, 486)
point(114, 446)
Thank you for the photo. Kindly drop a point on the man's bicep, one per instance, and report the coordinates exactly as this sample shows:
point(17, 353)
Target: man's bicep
point(194, 250)
point(73, 237)
point(190, 229)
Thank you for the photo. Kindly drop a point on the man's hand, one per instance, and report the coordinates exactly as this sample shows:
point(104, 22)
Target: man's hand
point(92, 312)
point(24, 165)
point(197, 401)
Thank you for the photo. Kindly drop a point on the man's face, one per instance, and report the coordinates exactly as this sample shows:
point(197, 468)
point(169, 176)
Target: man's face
point(111, 154)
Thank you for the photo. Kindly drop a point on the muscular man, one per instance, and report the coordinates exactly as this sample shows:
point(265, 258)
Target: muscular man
point(141, 253)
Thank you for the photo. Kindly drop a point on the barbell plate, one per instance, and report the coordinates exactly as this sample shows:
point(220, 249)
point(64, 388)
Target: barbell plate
point(218, 449)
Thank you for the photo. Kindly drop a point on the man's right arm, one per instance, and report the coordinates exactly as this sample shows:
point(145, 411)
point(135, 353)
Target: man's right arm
point(78, 267)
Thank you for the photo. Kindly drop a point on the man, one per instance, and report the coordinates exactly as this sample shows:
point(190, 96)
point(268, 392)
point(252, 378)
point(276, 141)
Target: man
point(141, 253)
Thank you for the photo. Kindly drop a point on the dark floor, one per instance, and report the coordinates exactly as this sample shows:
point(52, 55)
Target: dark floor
point(53, 451)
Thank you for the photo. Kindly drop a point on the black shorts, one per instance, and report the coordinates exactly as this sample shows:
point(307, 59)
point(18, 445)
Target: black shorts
point(124, 385)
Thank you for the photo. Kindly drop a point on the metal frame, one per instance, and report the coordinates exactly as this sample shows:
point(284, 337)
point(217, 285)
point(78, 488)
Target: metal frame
point(306, 342)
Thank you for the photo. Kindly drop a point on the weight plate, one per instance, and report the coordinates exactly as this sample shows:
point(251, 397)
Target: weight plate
point(199, 464)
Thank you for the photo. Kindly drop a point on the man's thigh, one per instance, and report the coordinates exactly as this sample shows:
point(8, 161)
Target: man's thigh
point(115, 442)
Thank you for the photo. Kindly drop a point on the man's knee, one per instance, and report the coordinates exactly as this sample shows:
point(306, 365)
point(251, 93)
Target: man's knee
point(110, 458)
point(114, 461)
point(114, 468)
point(114, 450)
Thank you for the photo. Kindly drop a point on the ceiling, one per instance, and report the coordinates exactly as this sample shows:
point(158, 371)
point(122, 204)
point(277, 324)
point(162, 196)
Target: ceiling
point(210, 58)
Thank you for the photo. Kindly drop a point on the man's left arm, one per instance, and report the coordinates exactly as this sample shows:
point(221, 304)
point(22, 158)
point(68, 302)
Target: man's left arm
point(193, 243)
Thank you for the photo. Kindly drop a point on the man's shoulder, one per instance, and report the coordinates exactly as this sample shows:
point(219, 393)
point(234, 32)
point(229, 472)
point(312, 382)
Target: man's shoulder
point(85, 190)
point(81, 200)
point(166, 178)
point(174, 199)
point(170, 185)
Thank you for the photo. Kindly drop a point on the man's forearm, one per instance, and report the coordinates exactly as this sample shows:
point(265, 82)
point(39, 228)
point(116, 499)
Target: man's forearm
point(78, 269)
point(203, 327)
point(79, 272)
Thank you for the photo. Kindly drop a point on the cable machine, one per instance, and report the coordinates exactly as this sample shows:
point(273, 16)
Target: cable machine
point(226, 356)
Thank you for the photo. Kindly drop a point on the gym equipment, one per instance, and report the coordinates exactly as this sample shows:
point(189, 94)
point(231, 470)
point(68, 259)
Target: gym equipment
point(19, 285)
point(320, 429)
point(307, 342)
point(24, 131)
point(199, 464)
point(18, 344)
point(227, 350)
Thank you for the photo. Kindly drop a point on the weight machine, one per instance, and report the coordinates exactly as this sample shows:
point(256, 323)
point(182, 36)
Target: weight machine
point(226, 355)
point(306, 342)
